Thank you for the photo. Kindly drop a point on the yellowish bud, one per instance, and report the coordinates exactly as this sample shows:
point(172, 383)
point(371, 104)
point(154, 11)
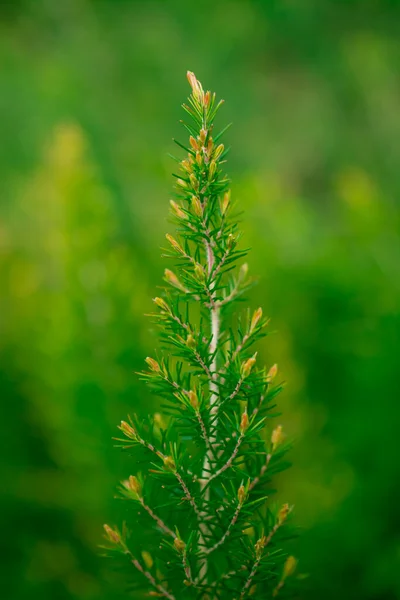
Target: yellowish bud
point(133, 485)
point(243, 271)
point(147, 559)
point(210, 145)
point(153, 364)
point(272, 372)
point(277, 437)
point(176, 209)
point(193, 399)
point(193, 143)
point(196, 206)
point(169, 463)
point(244, 422)
point(247, 366)
point(283, 513)
point(259, 546)
point(186, 166)
point(190, 341)
point(181, 183)
point(199, 159)
point(193, 181)
point(128, 430)
point(196, 86)
point(171, 278)
point(176, 246)
point(225, 202)
point(241, 494)
point(179, 545)
point(203, 135)
point(161, 304)
point(199, 272)
point(218, 151)
point(112, 534)
point(212, 169)
point(255, 319)
point(289, 567)
point(207, 97)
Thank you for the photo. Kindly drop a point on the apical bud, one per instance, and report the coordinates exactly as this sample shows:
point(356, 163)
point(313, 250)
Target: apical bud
point(196, 86)
point(231, 242)
point(112, 534)
point(244, 422)
point(218, 151)
point(162, 304)
point(181, 183)
point(272, 372)
point(255, 319)
point(133, 485)
point(128, 430)
point(176, 246)
point(179, 545)
point(171, 278)
point(283, 513)
point(169, 463)
point(177, 210)
point(247, 366)
point(289, 567)
point(241, 494)
point(196, 206)
point(277, 437)
point(259, 546)
point(193, 399)
point(153, 364)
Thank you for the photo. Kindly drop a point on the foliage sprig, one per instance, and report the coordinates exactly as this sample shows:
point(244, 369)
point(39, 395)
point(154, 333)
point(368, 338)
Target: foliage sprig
point(205, 464)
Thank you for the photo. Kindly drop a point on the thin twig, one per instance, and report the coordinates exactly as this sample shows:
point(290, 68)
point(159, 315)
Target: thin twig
point(227, 532)
point(157, 519)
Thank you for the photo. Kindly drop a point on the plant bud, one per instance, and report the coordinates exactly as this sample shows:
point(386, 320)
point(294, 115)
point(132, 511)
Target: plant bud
point(190, 341)
point(112, 535)
point(243, 271)
point(193, 399)
point(171, 278)
point(153, 364)
point(159, 420)
point(212, 169)
point(209, 145)
point(197, 89)
point(277, 437)
point(199, 272)
point(193, 181)
point(259, 546)
point(169, 463)
point(162, 304)
point(289, 567)
point(244, 422)
point(147, 559)
point(193, 143)
point(196, 206)
point(186, 166)
point(225, 202)
point(199, 159)
point(179, 545)
point(283, 513)
point(241, 494)
point(207, 96)
point(128, 430)
point(218, 151)
point(247, 366)
point(272, 372)
point(181, 183)
point(176, 246)
point(133, 485)
point(177, 210)
point(203, 135)
point(255, 319)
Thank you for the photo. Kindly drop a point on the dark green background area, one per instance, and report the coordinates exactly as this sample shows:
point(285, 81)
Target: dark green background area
point(89, 98)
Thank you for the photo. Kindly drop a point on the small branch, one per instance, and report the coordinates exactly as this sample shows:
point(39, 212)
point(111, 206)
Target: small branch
point(160, 589)
point(157, 519)
point(227, 532)
point(188, 495)
point(229, 461)
point(237, 350)
point(250, 578)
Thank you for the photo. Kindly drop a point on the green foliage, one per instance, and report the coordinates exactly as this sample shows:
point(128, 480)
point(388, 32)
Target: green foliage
point(203, 475)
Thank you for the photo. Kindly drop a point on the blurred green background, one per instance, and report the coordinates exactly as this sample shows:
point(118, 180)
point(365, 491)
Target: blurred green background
point(90, 95)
